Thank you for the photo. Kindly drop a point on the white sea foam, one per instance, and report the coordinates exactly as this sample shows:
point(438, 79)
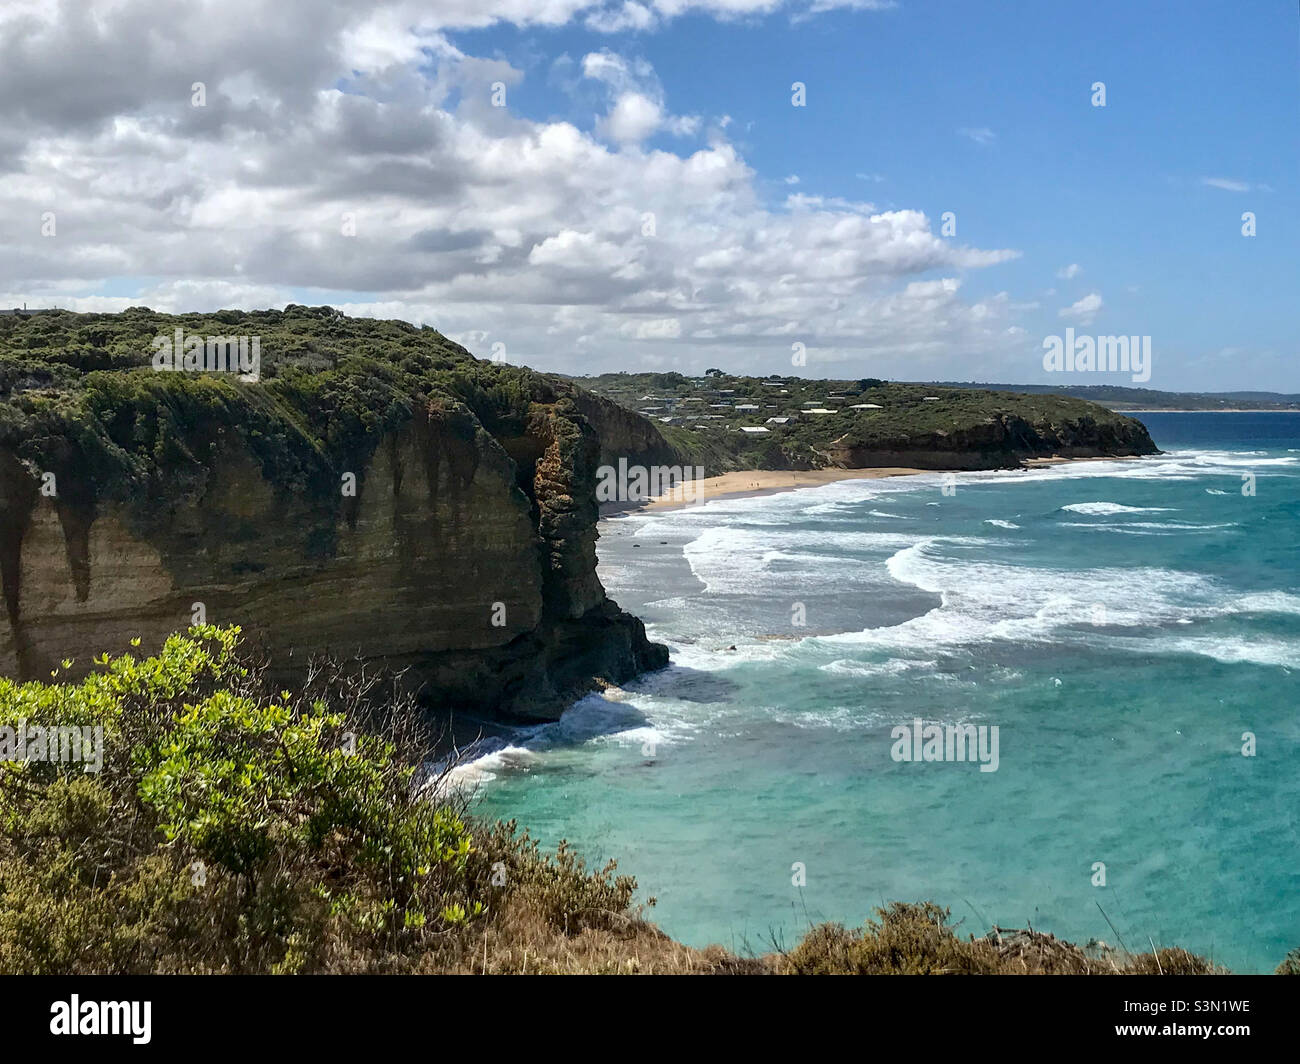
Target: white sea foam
point(1166, 527)
point(1242, 459)
point(892, 667)
point(710, 657)
point(999, 523)
point(483, 763)
point(611, 717)
point(1105, 509)
point(984, 601)
point(1231, 650)
point(741, 560)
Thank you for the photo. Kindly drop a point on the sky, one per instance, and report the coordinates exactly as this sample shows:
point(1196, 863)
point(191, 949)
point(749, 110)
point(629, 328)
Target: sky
point(920, 190)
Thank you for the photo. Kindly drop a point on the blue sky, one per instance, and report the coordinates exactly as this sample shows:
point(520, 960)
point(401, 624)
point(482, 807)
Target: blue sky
point(1196, 93)
point(774, 224)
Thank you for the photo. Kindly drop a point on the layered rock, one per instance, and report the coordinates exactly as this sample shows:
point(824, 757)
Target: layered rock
point(465, 559)
point(1000, 442)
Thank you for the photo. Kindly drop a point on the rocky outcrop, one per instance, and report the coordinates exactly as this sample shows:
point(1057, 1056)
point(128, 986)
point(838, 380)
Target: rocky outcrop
point(1000, 442)
point(466, 558)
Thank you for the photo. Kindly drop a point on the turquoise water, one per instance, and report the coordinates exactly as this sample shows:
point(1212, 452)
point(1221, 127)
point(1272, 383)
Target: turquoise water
point(1121, 623)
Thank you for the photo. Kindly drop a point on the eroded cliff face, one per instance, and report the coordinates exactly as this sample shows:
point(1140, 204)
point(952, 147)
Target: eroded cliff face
point(466, 559)
point(623, 433)
point(1000, 442)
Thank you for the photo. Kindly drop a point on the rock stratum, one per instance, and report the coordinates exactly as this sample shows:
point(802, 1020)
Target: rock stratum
point(379, 493)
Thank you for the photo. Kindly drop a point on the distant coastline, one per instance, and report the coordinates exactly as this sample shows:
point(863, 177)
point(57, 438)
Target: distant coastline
point(1234, 410)
point(751, 483)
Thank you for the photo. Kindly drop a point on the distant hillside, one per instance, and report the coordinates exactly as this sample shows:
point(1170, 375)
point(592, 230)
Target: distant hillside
point(1119, 398)
point(725, 422)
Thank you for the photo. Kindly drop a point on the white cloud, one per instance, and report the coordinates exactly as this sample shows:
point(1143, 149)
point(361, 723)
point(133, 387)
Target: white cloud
point(980, 135)
point(632, 118)
point(1069, 272)
point(581, 249)
point(637, 108)
point(1228, 184)
point(819, 6)
point(657, 329)
point(1084, 310)
point(631, 16)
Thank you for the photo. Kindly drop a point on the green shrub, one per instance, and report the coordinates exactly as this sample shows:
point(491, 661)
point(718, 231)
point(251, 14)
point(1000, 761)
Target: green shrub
point(904, 940)
point(233, 831)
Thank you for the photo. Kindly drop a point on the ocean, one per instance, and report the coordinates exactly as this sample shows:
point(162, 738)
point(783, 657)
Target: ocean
point(1131, 628)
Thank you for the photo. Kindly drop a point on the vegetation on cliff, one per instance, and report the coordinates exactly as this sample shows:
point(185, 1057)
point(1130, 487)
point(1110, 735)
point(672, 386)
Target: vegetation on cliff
point(724, 422)
point(78, 392)
point(232, 828)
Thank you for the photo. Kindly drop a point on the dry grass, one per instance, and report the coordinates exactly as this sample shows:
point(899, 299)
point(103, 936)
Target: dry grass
point(907, 939)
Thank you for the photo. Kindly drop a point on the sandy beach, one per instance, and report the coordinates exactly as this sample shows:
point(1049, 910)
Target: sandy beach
point(747, 482)
point(752, 482)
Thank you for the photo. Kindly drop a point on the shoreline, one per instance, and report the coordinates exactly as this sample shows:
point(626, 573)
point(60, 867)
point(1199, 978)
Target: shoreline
point(752, 483)
point(749, 483)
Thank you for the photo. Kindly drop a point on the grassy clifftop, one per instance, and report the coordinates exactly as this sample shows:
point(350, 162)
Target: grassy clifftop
point(81, 388)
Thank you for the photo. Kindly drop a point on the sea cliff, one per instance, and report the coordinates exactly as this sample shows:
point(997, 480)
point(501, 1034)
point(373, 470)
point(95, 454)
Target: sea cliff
point(378, 494)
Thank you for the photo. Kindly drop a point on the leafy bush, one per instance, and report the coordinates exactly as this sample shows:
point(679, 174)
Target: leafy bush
point(234, 831)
